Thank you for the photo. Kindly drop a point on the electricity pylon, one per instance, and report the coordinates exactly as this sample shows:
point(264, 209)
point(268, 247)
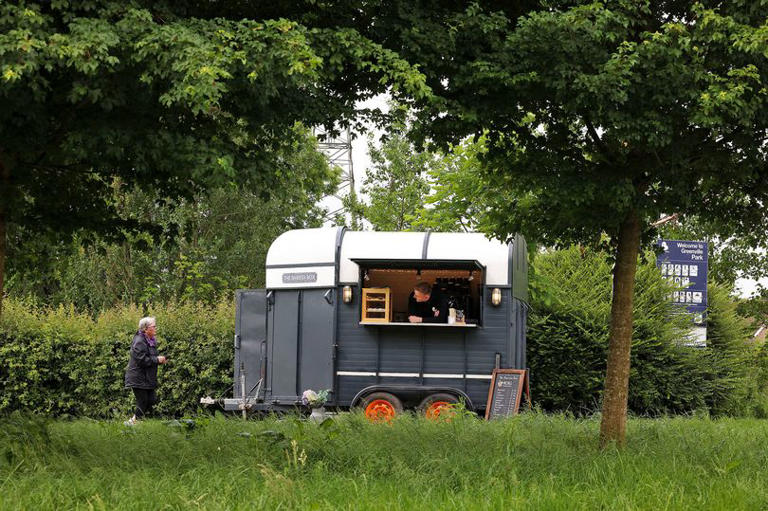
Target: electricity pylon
point(338, 149)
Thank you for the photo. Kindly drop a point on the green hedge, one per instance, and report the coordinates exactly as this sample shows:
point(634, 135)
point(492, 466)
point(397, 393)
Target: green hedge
point(568, 339)
point(59, 361)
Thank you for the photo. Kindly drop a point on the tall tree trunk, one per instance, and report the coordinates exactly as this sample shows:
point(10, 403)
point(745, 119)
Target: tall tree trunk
point(2, 258)
point(5, 184)
point(614, 420)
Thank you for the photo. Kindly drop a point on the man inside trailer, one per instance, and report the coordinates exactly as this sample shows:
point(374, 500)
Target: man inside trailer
point(427, 305)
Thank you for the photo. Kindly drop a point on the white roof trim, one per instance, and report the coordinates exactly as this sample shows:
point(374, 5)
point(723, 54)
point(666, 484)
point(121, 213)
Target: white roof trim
point(492, 254)
point(314, 251)
point(303, 246)
point(377, 245)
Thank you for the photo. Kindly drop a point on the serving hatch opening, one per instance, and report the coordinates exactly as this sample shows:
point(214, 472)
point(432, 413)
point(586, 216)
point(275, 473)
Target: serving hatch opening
point(461, 282)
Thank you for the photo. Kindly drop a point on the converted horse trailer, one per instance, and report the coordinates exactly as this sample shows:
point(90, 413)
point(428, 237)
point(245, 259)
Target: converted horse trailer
point(334, 315)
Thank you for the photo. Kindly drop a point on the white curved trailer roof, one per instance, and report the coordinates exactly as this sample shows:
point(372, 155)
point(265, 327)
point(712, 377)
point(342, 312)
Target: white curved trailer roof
point(307, 258)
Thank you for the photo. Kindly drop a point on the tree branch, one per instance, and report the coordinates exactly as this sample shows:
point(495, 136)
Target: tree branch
point(664, 220)
point(596, 138)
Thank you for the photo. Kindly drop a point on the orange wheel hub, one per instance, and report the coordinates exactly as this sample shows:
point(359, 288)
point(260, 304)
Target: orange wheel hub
point(439, 410)
point(380, 410)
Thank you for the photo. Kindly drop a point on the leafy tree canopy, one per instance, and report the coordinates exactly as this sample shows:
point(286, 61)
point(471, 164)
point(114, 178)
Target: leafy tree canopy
point(596, 109)
point(600, 117)
point(395, 185)
point(456, 181)
point(202, 248)
point(176, 96)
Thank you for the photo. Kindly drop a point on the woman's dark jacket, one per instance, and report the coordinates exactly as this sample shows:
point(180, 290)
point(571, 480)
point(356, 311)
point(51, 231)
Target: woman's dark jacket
point(141, 372)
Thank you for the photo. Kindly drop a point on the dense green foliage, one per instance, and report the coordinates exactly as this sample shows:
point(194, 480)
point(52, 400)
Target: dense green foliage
point(596, 109)
point(456, 182)
point(533, 461)
point(61, 361)
point(600, 117)
point(419, 189)
point(736, 372)
point(568, 340)
point(58, 361)
point(411, 188)
point(396, 185)
point(201, 249)
point(180, 97)
point(756, 308)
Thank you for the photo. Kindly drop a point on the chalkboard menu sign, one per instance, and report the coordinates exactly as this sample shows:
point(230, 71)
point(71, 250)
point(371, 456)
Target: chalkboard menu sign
point(507, 388)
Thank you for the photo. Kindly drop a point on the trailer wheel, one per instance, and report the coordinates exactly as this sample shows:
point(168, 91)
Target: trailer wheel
point(438, 406)
point(381, 406)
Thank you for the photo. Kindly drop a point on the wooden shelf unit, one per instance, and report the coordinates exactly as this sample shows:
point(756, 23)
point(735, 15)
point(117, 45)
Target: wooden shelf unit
point(377, 304)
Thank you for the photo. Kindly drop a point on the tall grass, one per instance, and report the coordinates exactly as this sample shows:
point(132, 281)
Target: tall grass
point(532, 461)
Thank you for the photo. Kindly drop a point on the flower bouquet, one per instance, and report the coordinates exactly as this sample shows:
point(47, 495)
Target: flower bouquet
point(314, 399)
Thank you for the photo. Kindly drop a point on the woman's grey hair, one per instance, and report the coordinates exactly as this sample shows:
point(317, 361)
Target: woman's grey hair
point(145, 323)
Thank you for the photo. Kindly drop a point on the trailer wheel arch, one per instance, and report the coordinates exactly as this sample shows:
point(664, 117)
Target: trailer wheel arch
point(414, 393)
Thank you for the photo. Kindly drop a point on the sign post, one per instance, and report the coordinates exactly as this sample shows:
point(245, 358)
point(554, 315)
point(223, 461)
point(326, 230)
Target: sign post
point(686, 264)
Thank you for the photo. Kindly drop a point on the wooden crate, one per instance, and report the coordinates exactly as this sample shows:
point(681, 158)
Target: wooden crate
point(377, 305)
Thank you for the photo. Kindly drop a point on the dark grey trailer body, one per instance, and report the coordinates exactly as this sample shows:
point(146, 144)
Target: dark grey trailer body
point(292, 339)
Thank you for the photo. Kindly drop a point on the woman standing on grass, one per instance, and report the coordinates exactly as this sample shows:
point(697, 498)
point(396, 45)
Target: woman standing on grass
point(141, 373)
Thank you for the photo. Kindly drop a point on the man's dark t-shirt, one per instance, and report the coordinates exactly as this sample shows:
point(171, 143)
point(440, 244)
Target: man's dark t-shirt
point(426, 310)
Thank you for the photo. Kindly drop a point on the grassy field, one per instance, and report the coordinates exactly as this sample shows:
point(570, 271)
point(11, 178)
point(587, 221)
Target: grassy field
point(533, 461)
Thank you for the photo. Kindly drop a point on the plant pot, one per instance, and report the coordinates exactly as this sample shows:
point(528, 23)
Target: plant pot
point(318, 414)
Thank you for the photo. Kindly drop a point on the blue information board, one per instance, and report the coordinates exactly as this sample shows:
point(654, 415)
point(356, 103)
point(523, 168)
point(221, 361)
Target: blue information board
point(686, 263)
